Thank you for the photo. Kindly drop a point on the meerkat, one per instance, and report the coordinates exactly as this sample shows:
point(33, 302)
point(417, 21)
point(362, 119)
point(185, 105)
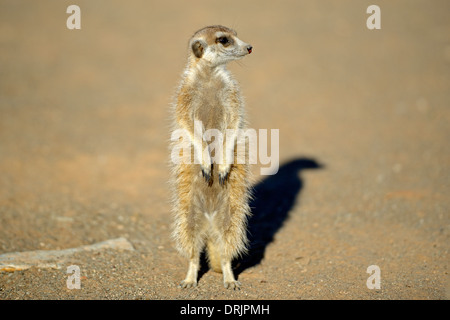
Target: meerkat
point(211, 200)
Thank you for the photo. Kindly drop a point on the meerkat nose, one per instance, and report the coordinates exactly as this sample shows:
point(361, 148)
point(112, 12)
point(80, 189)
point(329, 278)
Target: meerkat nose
point(249, 49)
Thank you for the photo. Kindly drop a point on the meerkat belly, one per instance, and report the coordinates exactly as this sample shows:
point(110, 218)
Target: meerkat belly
point(212, 115)
point(212, 100)
point(212, 112)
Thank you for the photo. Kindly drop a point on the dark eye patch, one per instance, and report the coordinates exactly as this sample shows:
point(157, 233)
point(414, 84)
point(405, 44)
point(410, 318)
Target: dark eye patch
point(225, 41)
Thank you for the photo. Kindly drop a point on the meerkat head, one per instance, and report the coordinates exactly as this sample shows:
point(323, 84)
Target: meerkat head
point(217, 45)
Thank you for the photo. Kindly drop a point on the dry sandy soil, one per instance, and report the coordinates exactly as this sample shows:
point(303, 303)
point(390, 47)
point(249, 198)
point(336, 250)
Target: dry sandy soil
point(363, 117)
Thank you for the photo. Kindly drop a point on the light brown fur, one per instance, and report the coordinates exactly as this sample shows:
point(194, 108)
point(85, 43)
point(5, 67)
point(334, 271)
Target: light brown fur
point(210, 200)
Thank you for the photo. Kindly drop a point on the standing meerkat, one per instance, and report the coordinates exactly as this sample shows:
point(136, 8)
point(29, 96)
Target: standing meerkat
point(210, 197)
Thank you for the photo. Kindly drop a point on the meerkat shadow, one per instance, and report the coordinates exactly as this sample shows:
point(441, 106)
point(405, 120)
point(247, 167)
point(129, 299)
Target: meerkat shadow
point(273, 199)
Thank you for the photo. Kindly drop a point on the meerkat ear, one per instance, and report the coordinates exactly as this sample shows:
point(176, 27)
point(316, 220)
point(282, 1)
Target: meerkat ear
point(198, 47)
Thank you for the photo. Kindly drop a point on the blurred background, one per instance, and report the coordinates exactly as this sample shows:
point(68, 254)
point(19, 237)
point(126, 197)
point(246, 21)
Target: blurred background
point(84, 145)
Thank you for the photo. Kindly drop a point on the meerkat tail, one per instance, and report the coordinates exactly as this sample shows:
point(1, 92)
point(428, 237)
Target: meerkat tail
point(213, 255)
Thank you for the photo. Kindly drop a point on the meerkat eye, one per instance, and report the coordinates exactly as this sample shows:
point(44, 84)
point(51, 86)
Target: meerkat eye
point(223, 40)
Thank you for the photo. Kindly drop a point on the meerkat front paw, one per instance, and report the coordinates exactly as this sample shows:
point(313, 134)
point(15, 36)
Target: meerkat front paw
point(206, 172)
point(223, 177)
point(224, 173)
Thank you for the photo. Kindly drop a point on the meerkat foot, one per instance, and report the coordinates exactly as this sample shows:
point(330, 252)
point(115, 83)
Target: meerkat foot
point(229, 282)
point(186, 284)
point(234, 285)
point(191, 277)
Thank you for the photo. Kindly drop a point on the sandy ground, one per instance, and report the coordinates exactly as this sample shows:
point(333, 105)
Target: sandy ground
point(363, 117)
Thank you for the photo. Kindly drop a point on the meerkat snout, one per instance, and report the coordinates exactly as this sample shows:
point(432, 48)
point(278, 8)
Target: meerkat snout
point(249, 49)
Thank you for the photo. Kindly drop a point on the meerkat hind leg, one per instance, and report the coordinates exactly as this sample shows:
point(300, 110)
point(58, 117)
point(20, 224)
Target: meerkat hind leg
point(229, 281)
point(191, 278)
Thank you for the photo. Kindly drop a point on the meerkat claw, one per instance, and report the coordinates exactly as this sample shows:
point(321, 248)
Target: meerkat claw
point(207, 176)
point(223, 178)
